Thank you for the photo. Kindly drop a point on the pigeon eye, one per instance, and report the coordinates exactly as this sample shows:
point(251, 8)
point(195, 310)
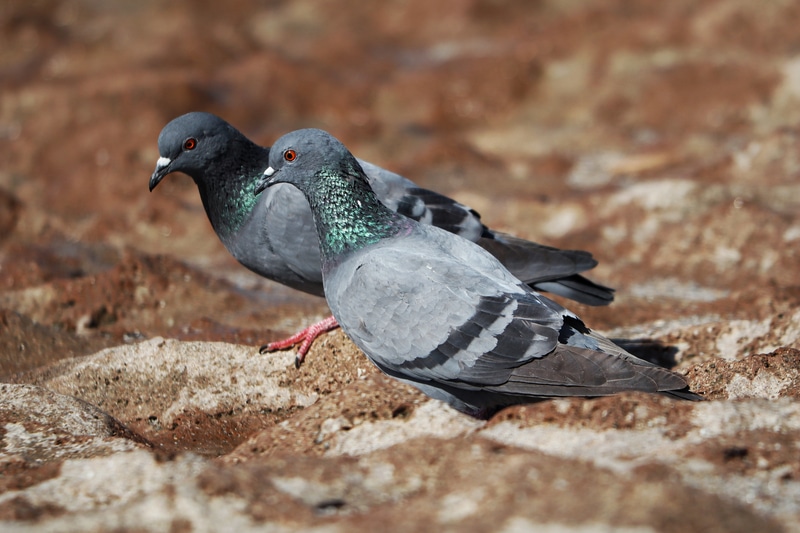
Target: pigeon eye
point(190, 143)
point(290, 155)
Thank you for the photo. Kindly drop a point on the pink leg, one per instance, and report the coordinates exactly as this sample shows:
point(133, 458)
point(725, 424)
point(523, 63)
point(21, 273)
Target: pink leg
point(305, 338)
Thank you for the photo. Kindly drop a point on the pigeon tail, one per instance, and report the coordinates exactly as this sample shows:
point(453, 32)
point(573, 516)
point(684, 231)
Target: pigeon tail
point(548, 269)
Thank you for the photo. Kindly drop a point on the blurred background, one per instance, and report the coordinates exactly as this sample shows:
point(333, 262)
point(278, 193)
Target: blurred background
point(660, 136)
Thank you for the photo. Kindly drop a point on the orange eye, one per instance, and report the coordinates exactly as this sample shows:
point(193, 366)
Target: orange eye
point(190, 143)
point(290, 155)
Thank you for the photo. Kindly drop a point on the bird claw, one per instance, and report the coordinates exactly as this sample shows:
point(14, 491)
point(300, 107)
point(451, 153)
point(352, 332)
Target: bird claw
point(305, 338)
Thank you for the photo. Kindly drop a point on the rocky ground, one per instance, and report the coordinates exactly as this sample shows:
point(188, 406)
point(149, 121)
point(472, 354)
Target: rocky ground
point(664, 137)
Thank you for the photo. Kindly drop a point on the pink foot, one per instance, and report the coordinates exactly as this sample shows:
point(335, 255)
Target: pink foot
point(305, 338)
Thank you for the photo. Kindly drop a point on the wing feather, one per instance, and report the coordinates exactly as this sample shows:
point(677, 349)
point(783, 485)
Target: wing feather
point(474, 334)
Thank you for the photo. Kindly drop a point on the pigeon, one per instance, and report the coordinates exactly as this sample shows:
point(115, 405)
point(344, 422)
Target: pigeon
point(439, 312)
point(273, 234)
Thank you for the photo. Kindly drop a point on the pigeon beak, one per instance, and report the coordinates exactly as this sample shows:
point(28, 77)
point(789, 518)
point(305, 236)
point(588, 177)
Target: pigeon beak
point(266, 180)
point(162, 169)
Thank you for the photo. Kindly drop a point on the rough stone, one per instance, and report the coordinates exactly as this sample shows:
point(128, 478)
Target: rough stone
point(661, 137)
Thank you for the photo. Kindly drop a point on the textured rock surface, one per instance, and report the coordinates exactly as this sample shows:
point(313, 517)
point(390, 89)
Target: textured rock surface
point(662, 137)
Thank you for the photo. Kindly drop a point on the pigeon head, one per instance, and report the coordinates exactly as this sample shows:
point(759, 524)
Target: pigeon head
point(190, 144)
point(308, 158)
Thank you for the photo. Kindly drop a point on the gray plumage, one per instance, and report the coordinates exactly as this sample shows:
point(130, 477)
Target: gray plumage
point(273, 234)
point(439, 312)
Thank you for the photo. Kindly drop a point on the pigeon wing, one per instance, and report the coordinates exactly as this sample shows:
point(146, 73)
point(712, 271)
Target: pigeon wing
point(429, 316)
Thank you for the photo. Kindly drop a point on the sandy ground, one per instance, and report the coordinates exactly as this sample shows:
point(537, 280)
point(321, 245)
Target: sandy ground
point(661, 137)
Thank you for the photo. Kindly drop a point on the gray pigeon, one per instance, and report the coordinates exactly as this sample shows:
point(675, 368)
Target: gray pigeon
point(439, 312)
point(273, 234)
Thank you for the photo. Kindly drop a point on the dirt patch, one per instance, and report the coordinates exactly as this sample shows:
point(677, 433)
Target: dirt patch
point(661, 137)
point(772, 375)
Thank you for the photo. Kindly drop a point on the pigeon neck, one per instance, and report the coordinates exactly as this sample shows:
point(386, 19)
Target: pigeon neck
point(349, 216)
point(227, 193)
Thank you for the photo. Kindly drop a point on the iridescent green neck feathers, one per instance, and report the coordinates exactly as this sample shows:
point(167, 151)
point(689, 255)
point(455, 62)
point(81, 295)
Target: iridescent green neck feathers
point(347, 213)
point(237, 200)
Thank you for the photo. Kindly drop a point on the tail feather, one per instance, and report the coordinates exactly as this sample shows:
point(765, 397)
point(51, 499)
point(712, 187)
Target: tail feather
point(578, 288)
point(548, 269)
point(685, 394)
